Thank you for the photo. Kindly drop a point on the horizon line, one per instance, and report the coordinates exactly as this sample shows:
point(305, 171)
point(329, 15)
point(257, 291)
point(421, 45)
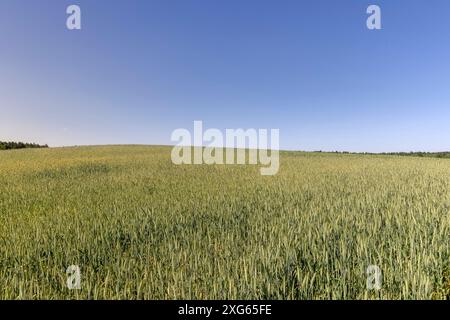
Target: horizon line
point(246, 148)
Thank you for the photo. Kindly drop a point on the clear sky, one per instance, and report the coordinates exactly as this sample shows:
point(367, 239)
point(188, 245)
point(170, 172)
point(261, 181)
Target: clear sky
point(140, 69)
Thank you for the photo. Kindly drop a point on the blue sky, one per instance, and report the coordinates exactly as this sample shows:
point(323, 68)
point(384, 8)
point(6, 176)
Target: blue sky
point(140, 69)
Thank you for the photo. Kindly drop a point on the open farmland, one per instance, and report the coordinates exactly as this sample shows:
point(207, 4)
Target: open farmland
point(140, 227)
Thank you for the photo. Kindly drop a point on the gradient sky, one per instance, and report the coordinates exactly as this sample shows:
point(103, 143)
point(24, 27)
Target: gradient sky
point(140, 69)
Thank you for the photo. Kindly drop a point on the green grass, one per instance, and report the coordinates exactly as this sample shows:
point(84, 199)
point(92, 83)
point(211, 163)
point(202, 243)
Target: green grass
point(140, 227)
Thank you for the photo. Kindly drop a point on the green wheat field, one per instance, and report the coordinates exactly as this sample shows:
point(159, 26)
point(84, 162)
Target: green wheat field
point(140, 227)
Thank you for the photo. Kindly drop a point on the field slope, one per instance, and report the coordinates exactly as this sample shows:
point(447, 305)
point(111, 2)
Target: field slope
point(140, 227)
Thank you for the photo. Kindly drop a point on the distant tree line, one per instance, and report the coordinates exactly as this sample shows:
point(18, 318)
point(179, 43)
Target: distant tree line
point(421, 154)
point(19, 145)
point(408, 154)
